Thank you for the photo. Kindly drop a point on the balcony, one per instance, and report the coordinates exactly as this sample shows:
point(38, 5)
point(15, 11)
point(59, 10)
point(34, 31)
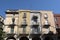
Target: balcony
point(10, 34)
point(13, 22)
point(24, 16)
point(34, 24)
point(23, 25)
point(46, 24)
point(12, 25)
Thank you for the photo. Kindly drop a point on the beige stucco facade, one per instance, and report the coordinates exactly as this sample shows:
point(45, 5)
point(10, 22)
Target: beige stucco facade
point(19, 19)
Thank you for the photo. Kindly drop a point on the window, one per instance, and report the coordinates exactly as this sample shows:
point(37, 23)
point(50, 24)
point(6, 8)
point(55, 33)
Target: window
point(35, 30)
point(24, 19)
point(34, 18)
point(12, 30)
point(13, 18)
point(24, 30)
point(24, 16)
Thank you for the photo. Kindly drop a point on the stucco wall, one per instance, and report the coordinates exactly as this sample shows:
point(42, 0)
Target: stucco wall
point(19, 20)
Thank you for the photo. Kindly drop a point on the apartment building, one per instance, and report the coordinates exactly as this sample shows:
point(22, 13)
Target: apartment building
point(57, 24)
point(29, 25)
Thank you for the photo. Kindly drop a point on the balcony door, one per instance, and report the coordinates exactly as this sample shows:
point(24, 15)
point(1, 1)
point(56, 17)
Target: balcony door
point(35, 19)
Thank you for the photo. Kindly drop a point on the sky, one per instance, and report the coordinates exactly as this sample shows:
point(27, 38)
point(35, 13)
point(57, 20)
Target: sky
point(53, 5)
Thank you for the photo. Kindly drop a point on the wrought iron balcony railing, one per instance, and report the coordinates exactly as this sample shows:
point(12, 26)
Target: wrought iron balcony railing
point(23, 25)
point(12, 25)
point(35, 25)
point(10, 34)
point(46, 24)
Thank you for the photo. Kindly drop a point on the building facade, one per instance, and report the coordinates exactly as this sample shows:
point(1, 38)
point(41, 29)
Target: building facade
point(29, 24)
point(57, 24)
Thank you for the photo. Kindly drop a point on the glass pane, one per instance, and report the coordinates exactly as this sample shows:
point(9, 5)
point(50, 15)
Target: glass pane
point(12, 30)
